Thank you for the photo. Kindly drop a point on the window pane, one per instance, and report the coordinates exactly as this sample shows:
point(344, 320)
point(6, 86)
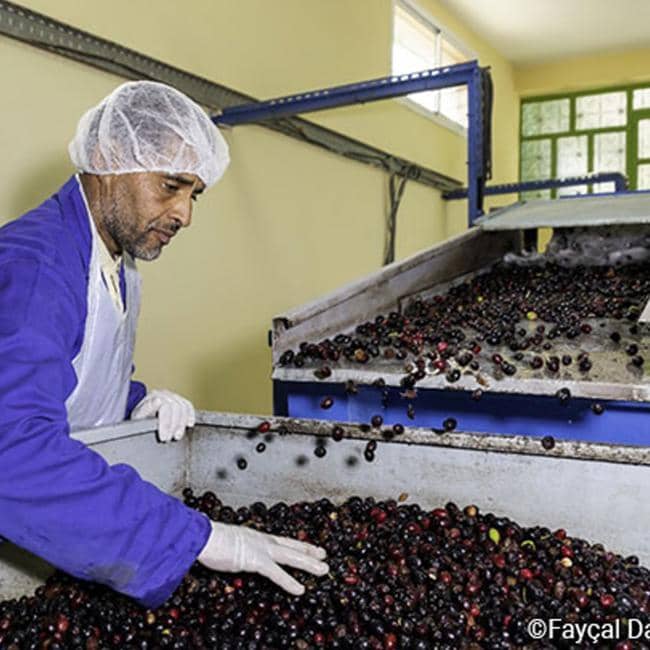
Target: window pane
point(644, 138)
point(453, 101)
point(414, 49)
point(609, 156)
point(641, 98)
point(609, 152)
point(404, 61)
point(545, 117)
point(572, 161)
point(535, 160)
point(453, 104)
point(571, 156)
point(450, 54)
point(417, 38)
point(598, 111)
point(643, 177)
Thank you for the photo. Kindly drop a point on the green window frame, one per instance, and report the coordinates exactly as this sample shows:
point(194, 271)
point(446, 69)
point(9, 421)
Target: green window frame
point(573, 134)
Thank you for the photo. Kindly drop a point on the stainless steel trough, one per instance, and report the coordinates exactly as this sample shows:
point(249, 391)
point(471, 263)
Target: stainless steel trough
point(595, 491)
point(432, 272)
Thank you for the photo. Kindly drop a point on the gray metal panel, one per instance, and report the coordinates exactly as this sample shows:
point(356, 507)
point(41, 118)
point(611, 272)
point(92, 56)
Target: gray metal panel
point(381, 291)
point(599, 501)
point(163, 464)
point(20, 571)
point(594, 210)
point(115, 432)
point(595, 491)
point(498, 443)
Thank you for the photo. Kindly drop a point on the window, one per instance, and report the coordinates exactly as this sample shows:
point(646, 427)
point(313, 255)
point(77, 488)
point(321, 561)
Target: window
point(590, 131)
point(421, 44)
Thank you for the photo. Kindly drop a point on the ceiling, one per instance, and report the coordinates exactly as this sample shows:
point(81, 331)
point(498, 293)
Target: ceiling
point(535, 31)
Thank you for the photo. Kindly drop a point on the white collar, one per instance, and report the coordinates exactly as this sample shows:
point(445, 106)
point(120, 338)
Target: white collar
point(108, 261)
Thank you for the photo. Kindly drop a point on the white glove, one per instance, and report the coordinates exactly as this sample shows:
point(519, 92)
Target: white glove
point(174, 412)
point(238, 548)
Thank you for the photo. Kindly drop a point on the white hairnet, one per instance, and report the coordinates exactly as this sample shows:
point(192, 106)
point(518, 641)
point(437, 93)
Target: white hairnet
point(145, 126)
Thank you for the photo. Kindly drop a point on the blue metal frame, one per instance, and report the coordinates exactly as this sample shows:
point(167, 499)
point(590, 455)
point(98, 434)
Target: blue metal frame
point(622, 423)
point(384, 88)
point(619, 180)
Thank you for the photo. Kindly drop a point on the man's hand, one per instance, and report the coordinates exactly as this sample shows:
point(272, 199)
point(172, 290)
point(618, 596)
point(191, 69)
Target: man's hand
point(237, 548)
point(174, 412)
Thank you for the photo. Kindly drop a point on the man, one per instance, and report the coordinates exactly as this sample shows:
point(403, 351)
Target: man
point(69, 301)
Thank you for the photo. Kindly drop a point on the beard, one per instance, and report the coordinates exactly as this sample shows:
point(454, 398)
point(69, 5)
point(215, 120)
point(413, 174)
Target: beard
point(121, 227)
point(138, 245)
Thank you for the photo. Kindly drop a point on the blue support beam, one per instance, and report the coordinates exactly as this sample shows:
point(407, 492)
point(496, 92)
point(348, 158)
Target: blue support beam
point(475, 172)
point(356, 93)
point(469, 74)
point(619, 180)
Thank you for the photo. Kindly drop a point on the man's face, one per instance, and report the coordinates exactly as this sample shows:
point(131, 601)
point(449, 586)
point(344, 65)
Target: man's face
point(143, 211)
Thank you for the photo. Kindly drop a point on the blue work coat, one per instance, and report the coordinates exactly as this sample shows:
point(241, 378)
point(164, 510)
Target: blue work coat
point(58, 498)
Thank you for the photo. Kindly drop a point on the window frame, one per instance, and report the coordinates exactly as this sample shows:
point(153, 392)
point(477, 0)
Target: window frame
point(425, 17)
point(628, 128)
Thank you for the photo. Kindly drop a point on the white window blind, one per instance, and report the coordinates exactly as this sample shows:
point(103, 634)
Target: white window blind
point(420, 44)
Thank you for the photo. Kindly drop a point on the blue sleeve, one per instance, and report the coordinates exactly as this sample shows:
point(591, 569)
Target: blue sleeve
point(137, 391)
point(58, 498)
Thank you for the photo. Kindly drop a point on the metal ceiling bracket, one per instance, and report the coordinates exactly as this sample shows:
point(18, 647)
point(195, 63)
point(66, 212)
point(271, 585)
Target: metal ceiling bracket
point(469, 74)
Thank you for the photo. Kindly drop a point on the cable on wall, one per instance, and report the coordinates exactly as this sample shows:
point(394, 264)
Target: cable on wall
point(395, 193)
